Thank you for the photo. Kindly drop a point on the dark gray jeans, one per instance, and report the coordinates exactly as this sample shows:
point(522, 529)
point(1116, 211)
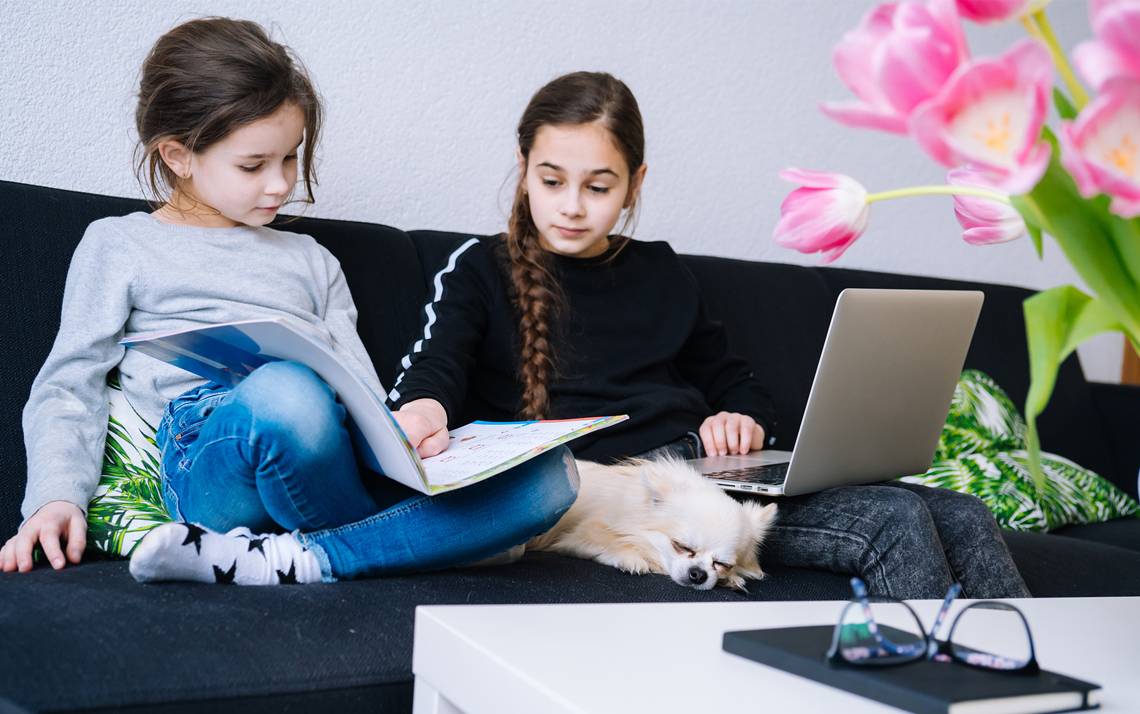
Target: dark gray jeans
point(903, 540)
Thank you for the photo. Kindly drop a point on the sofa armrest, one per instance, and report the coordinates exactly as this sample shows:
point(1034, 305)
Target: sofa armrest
point(1119, 407)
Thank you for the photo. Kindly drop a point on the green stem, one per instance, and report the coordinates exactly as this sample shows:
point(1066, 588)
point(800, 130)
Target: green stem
point(941, 190)
point(1040, 28)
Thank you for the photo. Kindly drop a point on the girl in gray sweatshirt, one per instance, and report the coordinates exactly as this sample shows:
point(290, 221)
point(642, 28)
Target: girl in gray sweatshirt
point(260, 479)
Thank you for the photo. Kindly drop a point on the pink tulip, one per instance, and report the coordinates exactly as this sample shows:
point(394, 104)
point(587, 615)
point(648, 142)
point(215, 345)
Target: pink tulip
point(989, 11)
point(986, 221)
point(1116, 50)
point(989, 116)
point(825, 215)
point(898, 56)
point(1101, 149)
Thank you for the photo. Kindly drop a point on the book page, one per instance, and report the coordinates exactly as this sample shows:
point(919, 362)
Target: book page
point(481, 449)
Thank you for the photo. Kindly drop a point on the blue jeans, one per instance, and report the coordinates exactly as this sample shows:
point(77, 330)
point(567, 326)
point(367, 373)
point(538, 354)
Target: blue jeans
point(274, 454)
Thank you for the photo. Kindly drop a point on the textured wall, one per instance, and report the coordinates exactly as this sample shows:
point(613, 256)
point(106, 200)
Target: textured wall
point(423, 97)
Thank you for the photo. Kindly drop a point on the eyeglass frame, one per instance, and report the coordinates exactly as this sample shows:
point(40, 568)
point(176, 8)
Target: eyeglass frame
point(933, 648)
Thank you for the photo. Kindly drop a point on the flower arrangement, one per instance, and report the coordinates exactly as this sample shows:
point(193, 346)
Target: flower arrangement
point(1010, 173)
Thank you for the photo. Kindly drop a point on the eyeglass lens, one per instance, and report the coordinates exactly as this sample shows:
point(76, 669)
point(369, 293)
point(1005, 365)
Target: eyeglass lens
point(991, 635)
point(880, 633)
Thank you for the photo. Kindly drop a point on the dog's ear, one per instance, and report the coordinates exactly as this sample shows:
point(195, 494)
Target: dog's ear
point(657, 482)
point(760, 518)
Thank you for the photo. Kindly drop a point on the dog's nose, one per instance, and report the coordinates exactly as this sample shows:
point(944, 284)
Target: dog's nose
point(697, 575)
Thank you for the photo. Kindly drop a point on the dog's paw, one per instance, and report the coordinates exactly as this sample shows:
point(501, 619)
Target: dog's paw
point(628, 563)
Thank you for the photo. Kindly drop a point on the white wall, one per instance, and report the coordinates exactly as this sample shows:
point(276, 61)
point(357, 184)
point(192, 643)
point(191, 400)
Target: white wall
point(423, 97)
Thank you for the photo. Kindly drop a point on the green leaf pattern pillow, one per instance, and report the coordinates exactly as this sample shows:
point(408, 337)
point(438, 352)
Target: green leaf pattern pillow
point(128, 501)
point(982, 452)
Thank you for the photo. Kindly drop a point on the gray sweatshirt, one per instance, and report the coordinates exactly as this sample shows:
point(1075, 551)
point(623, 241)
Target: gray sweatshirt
point(136, 274)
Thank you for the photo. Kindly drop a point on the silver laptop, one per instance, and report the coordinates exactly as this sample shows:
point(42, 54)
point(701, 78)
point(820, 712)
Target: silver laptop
point(880, 397)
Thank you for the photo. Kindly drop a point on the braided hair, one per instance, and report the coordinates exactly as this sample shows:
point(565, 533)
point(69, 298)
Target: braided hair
point(572, 99)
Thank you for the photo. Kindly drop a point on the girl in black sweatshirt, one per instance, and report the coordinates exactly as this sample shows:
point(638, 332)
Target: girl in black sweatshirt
point(561, 318)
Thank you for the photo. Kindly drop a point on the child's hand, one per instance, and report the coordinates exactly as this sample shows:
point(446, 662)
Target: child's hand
point(731, 433)
point(424, 421)
point(55, 523)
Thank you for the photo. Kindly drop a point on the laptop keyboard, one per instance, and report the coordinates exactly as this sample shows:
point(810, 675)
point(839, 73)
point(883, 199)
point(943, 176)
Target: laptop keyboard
point(768, 474)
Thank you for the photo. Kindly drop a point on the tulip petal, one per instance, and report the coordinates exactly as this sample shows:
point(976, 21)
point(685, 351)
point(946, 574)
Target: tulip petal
point(990, 115)
point(898, 56)
point(990, 11)
point(864, 116)
point(985, 220)
point(1101, 148)
point(1116, 50)
point(825, 215)
point(990, 235)
point(1098, 63)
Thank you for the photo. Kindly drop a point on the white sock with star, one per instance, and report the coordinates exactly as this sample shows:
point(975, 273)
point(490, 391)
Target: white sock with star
point(184, 551)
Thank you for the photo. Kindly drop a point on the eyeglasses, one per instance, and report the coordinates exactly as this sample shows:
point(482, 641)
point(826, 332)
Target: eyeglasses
point(881, 632)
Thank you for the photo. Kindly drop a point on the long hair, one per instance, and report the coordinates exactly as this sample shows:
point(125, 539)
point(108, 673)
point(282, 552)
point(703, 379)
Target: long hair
point(572, 99)
point(207, 77)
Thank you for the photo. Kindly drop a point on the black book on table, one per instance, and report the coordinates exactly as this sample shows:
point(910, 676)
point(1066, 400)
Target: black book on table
point(923, 687)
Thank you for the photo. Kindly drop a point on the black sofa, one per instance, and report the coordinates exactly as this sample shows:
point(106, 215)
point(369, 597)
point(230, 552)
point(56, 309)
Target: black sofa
point(90, 638)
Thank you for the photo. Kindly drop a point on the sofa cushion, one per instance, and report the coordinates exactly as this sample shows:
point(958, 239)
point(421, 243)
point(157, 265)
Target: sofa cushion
point(211, 645)
point(347, 646)
point(1055, 565)
point(1121, 532)
point(1118, 405)
point(777, 317)
point(128, 500)
point(981, 451)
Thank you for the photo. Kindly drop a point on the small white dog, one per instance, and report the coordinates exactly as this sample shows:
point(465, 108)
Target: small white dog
point(661, 517)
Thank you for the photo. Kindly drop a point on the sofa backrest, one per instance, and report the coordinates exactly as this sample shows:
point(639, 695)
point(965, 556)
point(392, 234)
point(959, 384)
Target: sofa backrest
point(780, 328)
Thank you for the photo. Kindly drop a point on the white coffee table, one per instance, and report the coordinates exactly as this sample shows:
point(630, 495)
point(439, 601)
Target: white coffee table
point(540, 659)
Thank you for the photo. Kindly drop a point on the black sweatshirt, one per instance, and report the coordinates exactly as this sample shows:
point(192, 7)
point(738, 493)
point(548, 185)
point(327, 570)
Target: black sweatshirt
point(632, 337)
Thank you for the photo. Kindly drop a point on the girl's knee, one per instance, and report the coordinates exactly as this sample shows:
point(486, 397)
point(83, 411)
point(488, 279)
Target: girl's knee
point(902, 509)
point(289, 399)
point(965, 509)
point(551, 483)
point(271, 380)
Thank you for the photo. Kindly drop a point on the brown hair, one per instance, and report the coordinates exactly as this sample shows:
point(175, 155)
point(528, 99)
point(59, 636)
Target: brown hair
point(208, 77)
point(572, 99)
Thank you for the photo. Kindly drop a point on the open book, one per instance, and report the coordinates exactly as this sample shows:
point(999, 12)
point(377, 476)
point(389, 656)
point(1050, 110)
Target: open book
point(229, 352)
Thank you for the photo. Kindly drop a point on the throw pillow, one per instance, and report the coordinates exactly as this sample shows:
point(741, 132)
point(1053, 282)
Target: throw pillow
point(982, 452)
point(128, 501)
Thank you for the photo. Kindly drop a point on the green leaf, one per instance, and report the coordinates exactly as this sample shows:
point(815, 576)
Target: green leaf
point(1083, 230)
point(1056, 321)
point(1034, 221)
point(1125, 235)
point(1065, 108)
point(1035, 236)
